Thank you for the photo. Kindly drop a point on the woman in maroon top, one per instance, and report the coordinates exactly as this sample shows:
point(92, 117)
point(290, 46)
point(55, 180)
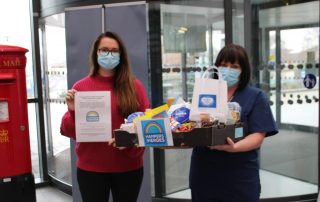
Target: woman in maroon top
point(101, 167)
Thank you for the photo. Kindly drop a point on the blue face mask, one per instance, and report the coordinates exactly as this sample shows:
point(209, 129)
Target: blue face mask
point(230, 75)
point(109, 61)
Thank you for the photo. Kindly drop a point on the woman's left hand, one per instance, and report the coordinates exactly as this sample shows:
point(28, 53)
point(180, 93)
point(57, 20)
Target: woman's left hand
point(230, 147)
point(112, 142)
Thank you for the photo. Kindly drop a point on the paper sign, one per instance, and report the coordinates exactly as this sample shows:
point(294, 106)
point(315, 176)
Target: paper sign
point(93, 116)
point(154, 132)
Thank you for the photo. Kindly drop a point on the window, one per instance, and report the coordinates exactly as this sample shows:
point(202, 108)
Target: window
point(16, 31)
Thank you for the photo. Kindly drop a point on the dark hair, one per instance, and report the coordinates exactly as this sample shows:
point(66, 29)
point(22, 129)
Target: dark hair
point(124, 86)
point(236, 54)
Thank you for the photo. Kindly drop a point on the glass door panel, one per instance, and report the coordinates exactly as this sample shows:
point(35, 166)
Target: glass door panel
point(55, 88)
point(192, 36)
point(292, 155)
point(299, 56)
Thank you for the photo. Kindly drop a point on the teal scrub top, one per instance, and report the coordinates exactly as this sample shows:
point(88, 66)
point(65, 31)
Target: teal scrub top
point(223, 176)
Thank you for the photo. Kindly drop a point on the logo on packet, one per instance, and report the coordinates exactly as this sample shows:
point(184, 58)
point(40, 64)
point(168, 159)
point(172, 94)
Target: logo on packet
point(181, 114)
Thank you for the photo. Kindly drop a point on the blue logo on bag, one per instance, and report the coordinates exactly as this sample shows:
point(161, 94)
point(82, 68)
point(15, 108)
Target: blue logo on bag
point(92, 116)
point(207, 101)
point(154, 132)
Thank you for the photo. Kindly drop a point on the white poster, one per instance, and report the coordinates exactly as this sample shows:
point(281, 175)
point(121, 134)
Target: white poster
point(93, 116)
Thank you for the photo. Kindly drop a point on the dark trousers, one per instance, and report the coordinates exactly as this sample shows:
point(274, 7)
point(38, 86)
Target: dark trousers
point(95, 187)
point(201, 195)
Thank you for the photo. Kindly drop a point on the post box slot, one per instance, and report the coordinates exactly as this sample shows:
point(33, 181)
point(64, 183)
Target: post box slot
point(7, 77)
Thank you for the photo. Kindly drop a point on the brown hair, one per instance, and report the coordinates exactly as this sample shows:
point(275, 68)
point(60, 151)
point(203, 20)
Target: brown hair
point(124, 86)
point(234, 53)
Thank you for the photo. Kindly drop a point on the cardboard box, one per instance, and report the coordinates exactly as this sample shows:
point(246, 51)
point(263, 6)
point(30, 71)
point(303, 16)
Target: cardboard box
point(210, 136)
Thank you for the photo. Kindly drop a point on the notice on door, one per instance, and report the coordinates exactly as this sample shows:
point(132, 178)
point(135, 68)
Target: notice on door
point(93, 116)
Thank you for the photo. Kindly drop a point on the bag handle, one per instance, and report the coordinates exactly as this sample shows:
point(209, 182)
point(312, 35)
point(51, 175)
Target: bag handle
point(215, 72)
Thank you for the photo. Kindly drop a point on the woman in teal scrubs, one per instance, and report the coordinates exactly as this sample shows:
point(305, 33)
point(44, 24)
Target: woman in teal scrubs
point(230, 172)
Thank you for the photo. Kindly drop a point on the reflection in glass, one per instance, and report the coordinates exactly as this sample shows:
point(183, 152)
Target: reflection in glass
point(192, 36)
point(238, 22)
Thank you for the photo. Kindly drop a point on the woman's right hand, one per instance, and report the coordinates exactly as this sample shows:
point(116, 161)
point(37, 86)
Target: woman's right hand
point(70, 99)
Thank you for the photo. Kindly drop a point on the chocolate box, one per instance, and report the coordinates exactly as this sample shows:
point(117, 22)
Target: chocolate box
point(210, 136)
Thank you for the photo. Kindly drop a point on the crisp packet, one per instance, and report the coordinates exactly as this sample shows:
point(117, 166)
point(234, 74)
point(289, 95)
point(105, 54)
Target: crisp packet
point(174, 124)
point(181, 114)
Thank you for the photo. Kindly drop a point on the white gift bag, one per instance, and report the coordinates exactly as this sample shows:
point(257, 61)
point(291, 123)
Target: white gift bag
point(209, 97)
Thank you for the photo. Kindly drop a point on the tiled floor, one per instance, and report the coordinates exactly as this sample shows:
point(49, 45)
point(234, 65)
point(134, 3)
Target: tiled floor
point(52, 194)
point(279, 187)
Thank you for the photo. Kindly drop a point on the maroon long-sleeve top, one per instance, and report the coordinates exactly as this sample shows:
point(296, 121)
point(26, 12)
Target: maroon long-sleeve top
point(99, 156)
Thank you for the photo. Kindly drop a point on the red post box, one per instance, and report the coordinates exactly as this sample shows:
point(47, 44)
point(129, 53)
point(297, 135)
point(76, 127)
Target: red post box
point(15, 155)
